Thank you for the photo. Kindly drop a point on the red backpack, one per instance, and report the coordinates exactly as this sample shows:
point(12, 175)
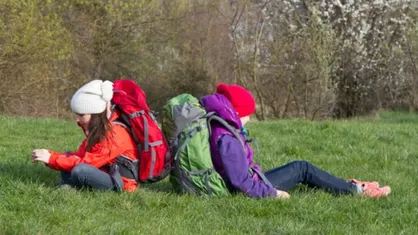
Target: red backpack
point(154, 156)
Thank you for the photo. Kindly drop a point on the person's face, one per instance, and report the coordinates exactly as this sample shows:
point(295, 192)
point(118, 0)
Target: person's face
point(83, 120)
point(245, 119)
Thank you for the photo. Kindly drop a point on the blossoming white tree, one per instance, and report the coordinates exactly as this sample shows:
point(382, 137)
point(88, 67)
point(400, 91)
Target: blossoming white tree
point(339, 57)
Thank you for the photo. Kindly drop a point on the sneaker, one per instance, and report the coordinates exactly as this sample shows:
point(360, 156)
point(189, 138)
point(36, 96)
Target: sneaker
point(371, 188)
point(376, 192)
point(65, 187)
point(365, 184)
point(58, 183)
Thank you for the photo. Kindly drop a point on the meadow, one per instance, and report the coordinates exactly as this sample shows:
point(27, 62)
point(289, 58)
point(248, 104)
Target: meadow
point(381, 147)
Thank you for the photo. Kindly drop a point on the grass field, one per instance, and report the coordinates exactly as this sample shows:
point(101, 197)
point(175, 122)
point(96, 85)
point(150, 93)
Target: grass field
point(383, 147)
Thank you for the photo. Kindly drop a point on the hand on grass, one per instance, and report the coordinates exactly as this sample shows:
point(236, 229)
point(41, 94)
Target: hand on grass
point(41, 155)
point(282, 194)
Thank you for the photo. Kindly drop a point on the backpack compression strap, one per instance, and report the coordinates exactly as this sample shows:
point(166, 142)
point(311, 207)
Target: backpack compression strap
point(190, 134)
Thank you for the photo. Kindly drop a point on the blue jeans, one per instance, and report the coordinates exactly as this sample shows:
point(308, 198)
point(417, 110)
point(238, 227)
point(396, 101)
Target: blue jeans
point(288, 176)
point(87, 176)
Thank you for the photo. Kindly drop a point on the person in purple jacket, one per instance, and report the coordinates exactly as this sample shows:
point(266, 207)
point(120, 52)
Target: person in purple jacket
point(233, 158)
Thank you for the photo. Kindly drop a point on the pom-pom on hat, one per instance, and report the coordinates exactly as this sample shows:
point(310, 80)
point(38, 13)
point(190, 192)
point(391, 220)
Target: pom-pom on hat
point(92, 98)
point(241, 99)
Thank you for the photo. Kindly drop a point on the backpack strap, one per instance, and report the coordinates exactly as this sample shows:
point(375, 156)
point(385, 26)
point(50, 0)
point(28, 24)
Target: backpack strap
point(126, 123)
point(147, 146)
point(146, 127)
point(153, 156)
point(206, 173)
point(252, 170)
point(190, 135)
point(127, 167)
point(119, 91)
point(236, 133)
point(122, 124)
point(258, 155)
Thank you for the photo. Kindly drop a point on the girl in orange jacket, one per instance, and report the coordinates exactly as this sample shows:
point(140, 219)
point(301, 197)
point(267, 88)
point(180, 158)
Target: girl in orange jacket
point(93, 164)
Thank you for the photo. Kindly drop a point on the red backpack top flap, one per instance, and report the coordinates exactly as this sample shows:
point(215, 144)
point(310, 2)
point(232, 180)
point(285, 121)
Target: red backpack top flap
point(128, 93)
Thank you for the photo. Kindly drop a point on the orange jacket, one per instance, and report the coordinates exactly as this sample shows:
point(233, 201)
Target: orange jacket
point(103, 153)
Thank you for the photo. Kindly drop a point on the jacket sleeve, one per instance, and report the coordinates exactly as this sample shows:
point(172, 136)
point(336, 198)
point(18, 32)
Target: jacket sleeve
point(234, 163)
point(99, 155)
point(80, 151)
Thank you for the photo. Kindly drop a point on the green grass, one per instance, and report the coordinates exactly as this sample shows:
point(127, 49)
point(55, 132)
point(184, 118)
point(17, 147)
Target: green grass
point(381, 148)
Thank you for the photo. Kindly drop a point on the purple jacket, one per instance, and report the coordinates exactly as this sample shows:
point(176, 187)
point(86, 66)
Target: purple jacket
point(229, 158)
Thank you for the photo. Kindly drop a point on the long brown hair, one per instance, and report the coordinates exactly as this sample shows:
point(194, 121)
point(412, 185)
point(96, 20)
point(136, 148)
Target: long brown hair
point(98, 127)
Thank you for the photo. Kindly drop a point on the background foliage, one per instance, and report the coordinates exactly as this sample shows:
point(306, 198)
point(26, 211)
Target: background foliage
point(301, 58)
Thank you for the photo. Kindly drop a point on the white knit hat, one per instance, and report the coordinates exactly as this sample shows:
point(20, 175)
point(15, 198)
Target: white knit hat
point(92, 97)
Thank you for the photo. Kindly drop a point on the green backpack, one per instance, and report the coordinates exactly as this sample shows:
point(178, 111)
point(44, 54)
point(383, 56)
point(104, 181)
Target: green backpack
point(185, 126)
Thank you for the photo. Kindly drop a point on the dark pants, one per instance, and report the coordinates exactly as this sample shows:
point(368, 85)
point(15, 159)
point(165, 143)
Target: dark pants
point(87, 176)
point(288, 176)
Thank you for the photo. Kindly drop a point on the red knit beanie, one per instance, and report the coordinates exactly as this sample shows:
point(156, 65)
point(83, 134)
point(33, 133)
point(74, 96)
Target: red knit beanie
point(242, 100)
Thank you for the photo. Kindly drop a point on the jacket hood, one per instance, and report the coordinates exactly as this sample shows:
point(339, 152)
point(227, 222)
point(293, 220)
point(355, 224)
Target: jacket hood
point(222, 107)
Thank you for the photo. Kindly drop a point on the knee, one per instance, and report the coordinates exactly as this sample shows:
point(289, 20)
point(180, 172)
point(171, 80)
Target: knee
point(301, 163)
point(79, 170)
